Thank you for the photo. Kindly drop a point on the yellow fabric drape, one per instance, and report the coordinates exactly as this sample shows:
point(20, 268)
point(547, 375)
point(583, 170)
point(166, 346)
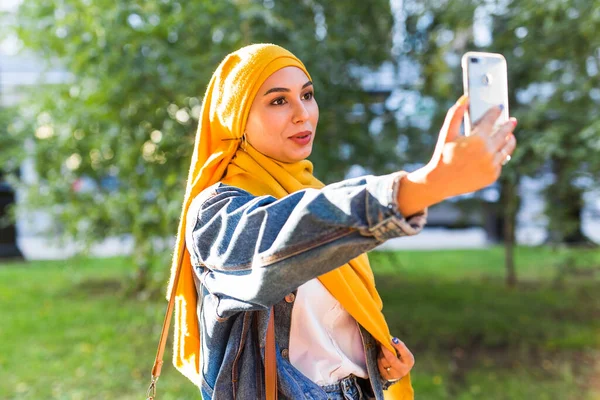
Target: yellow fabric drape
point(218, 157)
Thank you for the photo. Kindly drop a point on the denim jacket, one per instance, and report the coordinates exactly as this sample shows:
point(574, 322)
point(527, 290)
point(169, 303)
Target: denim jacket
point(252, 252)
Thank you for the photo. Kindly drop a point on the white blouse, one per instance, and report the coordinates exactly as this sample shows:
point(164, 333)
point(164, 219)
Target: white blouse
point(325, 341)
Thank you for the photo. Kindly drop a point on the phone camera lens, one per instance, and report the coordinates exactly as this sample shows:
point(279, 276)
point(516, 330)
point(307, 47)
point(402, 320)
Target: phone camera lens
point(474, 60)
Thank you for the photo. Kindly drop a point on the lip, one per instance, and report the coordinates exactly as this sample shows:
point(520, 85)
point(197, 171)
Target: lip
point(300, 134)
point(302, 138)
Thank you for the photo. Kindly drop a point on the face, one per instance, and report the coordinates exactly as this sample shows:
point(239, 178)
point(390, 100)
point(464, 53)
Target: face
point(284, 116)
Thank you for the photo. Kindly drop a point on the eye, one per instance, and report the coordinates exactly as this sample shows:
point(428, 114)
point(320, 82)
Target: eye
point(278, 101)
point(308, 95)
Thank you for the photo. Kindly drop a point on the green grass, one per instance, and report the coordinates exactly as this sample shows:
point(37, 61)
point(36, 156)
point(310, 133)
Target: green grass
point(533, 263)
point(67, 332)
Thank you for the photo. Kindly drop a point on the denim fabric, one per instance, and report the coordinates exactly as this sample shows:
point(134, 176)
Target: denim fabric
point(249, 252)
point(346, 389)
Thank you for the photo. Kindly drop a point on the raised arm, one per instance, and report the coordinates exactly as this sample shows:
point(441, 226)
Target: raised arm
point(251, 251)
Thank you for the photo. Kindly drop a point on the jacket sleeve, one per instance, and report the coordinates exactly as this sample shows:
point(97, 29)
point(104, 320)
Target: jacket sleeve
point(250, 251)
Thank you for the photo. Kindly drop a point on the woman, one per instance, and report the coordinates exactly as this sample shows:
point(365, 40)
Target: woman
point(262, 240)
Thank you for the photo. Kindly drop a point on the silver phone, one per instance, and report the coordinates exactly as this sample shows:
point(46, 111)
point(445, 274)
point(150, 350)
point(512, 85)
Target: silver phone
point(485, 81)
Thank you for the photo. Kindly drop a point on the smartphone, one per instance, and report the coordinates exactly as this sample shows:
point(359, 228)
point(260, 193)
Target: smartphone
point(485, 81)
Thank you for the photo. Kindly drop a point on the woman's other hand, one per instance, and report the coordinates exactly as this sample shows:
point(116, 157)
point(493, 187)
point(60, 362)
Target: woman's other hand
point(460, 164)
point(395, 366)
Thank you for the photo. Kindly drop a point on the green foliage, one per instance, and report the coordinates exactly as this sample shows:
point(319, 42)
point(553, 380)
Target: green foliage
point(128, 111)
point(554, 75)
point(10, 143)
point(65, 335)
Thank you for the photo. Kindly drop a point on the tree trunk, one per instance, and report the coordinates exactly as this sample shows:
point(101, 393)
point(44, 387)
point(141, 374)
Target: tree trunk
point(564, 207)
point(510, 204)
point(142, 259)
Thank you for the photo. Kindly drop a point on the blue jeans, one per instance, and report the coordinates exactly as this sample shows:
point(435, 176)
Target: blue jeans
point(346, 389)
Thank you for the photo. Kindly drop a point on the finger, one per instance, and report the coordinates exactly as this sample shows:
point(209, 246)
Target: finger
point(500, 138)
point(485, 125)
point(391, 358)
point(451, 128)
point(383, 371)
point(456, 118)
point(505, 151)
point(392, 368)
point(403, 352)
point(381, 360)
point(398, 367)
point(383, 365)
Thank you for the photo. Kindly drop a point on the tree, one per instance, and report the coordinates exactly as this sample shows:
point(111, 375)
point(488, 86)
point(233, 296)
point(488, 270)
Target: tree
point(553, 62)
point(126, 116)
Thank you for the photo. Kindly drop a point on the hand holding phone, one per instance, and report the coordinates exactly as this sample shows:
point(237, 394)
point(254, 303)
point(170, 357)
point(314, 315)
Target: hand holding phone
point(463, 164)
point(485, 81)
point(460, 164)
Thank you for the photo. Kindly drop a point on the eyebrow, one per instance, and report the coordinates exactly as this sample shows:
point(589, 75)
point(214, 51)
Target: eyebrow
point(280, 89)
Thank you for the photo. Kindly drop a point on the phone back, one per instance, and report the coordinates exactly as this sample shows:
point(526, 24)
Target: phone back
point(485, 81)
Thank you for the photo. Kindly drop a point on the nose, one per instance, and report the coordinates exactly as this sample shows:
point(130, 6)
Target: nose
point(300, 113)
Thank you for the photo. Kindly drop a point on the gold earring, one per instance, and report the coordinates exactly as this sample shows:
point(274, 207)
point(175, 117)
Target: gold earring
point(244, 142)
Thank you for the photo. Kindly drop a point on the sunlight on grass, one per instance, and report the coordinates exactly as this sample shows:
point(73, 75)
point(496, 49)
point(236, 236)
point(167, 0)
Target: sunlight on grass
point(68, 332)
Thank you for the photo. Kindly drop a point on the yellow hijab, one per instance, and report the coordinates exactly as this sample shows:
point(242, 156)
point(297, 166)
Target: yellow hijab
point(218, 157)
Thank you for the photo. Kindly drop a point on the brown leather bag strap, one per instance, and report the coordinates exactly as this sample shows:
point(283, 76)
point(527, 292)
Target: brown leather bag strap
point(270, 360)
point(164, 334)
point(270, 357)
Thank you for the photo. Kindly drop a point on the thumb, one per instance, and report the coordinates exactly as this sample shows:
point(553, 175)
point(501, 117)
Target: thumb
point(403, 352)
point(451, 129)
